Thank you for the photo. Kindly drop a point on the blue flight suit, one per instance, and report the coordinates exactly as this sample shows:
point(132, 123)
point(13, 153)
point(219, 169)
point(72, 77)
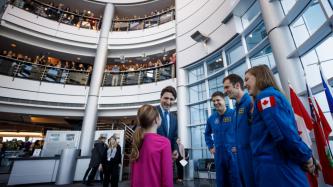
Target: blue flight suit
point(222, 126)
point(277, 149)
point(243, 130)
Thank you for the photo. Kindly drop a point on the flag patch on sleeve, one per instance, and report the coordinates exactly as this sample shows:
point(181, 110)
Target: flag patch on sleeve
point(266, 102)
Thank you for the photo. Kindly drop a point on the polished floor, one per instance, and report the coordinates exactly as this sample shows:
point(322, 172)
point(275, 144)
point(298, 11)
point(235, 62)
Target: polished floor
point(192, 183)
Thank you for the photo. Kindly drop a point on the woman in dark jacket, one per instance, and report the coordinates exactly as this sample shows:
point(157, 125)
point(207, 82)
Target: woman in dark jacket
point(111, 174)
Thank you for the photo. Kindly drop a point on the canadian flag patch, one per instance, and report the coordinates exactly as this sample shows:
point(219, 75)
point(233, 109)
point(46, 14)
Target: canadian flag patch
point(266, 102)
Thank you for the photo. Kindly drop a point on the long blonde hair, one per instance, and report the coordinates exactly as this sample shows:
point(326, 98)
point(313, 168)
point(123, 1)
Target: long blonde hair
point(145, 116)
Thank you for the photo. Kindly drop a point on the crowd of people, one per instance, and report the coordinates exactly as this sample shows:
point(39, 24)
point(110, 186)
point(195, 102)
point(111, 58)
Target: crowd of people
point(88, 19)
point(76, 65)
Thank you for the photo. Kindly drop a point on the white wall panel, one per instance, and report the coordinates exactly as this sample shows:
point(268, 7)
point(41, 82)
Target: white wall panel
point(206, 17)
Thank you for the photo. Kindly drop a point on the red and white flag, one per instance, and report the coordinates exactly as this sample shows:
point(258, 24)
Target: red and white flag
point(266, 102)
point(303, 119)
point(304, 126)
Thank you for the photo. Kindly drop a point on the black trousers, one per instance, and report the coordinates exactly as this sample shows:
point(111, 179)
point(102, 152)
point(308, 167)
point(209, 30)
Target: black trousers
point(180, 169)
point(111, 175)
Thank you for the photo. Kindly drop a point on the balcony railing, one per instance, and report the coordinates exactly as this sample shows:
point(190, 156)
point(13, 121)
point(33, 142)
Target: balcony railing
point(87, 21)
point(143, 23)
point(22, 69)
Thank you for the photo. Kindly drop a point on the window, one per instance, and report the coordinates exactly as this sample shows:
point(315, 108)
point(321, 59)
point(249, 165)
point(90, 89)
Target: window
point(264, 56)
point(303, 27)
point(235, 53)
point(322, 53)
point(196, 74)
point(256, 36)
point(250, 14)
point(287, 5)
point(239, 70)
point(198, 114)
point(214, 63)
point(198, 139)
point(197, 93)
point(216, 84)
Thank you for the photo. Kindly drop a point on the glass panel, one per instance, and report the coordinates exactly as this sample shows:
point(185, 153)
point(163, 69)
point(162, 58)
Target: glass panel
point(256, 36)
point(196, 136)
point(239, 70)
point(287, 5)
point(197, 93)
point(250, 14)
point(265, 56)
point(214, 63)
point(307, 24)
point(198, 114)
point(235, 53)
point(77, 77)
point(216, 84)
point(195, 74)
point(310, 60)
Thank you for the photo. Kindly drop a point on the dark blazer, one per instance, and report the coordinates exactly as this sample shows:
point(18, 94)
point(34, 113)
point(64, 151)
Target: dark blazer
point(117, 158)
point(98, 153)
point(173, 129)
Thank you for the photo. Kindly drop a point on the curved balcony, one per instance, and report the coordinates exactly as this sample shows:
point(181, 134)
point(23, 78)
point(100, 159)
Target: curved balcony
point(24, 26)
point(87, 20)
point(38, 72)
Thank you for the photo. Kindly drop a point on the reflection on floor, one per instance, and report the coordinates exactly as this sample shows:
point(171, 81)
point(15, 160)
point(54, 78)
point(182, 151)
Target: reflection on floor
point(195, 183)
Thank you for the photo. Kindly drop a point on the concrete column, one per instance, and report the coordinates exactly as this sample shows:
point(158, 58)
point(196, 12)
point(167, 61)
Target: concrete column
point(90, 114)
point(182, 109)
point(290, 70)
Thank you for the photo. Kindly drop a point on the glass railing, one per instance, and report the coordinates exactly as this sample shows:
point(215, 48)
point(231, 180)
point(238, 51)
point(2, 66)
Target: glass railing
point(143, 23)
point(81, 20)
point(140, 76)
point(84, 20)
point(22, 69)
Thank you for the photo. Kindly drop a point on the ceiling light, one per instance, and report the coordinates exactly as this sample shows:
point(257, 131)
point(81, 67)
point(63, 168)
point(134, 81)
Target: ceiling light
point(13, 45)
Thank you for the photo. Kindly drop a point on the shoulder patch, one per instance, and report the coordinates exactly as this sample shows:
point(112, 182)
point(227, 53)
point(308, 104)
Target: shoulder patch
point(265, 103)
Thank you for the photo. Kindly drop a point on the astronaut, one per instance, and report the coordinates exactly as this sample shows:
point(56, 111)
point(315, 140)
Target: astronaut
point(234, 87)
point(278, 152)
point(221, 125)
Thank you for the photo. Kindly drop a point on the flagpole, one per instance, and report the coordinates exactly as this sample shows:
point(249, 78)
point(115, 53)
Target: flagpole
point(329, 90)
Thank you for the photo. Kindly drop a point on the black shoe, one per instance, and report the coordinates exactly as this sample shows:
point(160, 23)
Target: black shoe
point(89, 184)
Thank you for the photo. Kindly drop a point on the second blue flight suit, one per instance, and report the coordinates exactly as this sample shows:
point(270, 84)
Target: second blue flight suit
point(242, 132)
point(222, 126)
point(277, 149)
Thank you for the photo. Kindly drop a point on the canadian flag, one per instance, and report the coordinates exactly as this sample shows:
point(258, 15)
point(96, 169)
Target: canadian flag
point(304, 126)
point(266, 102)
point(303, 119)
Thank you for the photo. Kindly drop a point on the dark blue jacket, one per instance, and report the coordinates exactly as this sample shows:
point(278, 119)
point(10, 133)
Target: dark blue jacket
point(277, 149)
point(173, 129)
point(222, 128)
point(243, 117)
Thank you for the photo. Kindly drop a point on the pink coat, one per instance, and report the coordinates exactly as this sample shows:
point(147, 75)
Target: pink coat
point(154, 166)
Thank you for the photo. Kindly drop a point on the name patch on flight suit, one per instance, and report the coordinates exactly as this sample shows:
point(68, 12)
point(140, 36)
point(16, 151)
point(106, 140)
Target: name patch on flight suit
point(226, 119)
point(241, 110)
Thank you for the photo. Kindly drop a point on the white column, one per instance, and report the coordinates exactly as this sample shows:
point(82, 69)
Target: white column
point(90, 114)
point(290, 70)
point(182, 109)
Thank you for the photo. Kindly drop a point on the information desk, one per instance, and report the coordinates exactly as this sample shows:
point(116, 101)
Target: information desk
point(42, 170)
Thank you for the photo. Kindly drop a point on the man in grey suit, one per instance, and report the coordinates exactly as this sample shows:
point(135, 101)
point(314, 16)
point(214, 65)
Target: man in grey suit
point(169, 127)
